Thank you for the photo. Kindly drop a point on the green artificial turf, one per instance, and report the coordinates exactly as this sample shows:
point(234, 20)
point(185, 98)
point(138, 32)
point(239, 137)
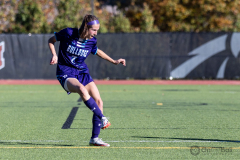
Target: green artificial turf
point(148, 122)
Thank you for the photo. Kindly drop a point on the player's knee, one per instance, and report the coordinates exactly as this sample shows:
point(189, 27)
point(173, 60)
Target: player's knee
point(99, 103)
point(82, 91)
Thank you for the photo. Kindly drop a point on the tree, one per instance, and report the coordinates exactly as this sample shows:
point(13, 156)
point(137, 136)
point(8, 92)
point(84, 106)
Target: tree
point(186, 15)
point(7, 14)
point(29, 18)
point(119, 23)
point(141, 18)
point(147, 20)
point(71, 13)
point(196, 15)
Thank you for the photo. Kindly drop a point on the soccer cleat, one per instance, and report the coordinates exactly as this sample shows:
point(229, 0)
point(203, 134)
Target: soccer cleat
point(105, 123)
point(98, 142)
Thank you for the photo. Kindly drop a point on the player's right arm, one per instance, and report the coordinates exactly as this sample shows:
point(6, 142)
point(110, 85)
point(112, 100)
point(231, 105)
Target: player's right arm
point(103, 55)
point(51, 42)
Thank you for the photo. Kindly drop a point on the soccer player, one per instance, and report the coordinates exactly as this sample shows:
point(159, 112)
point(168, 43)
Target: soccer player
point(72, 72)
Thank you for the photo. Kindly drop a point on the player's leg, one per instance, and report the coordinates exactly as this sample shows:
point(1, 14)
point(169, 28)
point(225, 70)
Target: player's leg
point(93, 91)
point(73, 85)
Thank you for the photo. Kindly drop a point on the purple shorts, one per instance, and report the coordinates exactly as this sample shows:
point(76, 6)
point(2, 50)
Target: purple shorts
point(83, 78)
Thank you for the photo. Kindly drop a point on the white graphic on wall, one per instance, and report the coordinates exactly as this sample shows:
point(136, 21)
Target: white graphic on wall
point(206, 51)
point(2, 60)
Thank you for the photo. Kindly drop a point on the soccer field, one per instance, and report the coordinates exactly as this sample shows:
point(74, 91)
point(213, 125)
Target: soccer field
point(148, 122)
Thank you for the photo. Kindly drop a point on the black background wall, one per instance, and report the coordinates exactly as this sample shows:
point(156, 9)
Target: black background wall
point(148, 55)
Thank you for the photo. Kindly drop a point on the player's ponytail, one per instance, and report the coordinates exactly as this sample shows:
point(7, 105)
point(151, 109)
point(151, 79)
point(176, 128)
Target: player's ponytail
point(83, 30)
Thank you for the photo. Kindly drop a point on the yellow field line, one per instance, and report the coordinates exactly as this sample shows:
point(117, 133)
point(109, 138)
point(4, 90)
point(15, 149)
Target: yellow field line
point(94, 147)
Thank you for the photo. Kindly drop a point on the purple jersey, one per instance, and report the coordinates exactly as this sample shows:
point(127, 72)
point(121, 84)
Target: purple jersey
point(73, 51)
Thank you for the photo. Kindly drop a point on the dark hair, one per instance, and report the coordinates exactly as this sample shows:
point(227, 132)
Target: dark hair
point(83, 30)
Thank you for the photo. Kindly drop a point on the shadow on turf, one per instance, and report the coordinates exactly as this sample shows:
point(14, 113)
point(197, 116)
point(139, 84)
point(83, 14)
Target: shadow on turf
point(35, 144)
point(165, 106)
point(181, 90)
point(192, 139)
point(131, 128)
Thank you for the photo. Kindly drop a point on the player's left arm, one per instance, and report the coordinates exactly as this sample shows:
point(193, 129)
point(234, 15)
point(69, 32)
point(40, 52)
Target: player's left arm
point(103, 55)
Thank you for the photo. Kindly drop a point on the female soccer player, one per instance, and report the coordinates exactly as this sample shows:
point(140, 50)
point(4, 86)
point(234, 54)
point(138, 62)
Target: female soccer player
point(72, 73)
